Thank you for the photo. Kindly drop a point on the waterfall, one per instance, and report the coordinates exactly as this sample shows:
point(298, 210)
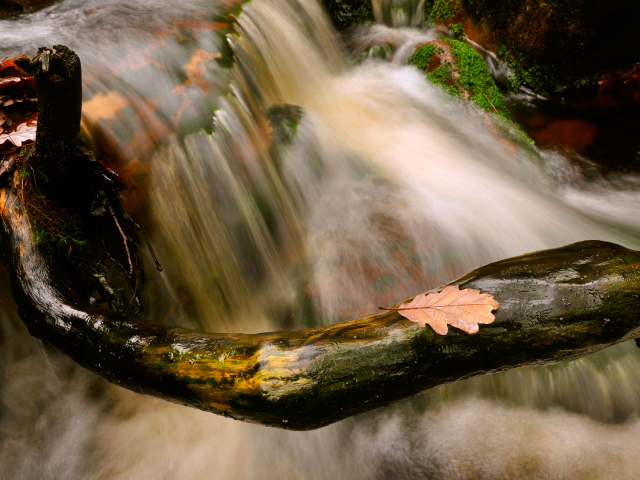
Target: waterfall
point(389, 188)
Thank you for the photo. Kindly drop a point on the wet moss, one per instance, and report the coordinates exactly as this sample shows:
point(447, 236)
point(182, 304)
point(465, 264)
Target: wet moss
point(443, 10)
point(421, 58)
point(475, 79)
point(462, 73)
point(457, 29)
point(443, 76)
point(52, 227)
point(466, 77)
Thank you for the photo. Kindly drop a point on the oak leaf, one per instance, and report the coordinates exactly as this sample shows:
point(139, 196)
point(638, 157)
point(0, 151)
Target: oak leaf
point(463, 309)
point(24, 133)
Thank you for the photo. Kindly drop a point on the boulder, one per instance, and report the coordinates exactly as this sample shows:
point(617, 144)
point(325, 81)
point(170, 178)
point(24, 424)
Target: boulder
point(550, 45)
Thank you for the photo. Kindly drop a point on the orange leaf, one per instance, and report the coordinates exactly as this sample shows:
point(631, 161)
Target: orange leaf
point(463, 309)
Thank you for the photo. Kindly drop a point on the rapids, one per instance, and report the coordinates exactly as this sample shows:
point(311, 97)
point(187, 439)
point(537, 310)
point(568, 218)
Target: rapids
point(389, 188)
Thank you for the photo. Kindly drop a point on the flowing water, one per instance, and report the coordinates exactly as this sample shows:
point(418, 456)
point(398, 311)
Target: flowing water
point(388, 189)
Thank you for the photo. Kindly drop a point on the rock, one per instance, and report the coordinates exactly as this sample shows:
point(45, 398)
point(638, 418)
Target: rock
point(624, 84)
point(9, 8)
point(550, 45)
point(346, 13)
point(462, 73)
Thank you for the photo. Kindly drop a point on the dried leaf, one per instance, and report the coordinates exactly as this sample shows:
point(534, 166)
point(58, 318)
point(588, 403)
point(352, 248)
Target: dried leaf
point(463, 309)
point(20, 135)
point(8, 80)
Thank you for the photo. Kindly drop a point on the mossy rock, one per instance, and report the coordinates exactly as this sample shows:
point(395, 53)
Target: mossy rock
point(462, 73)
point(550, 45)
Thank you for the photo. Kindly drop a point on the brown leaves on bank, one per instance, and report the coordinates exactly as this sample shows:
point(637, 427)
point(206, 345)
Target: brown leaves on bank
point(463, 309)
point(18, 109)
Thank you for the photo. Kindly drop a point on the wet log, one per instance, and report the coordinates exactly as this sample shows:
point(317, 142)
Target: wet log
point(555, 305)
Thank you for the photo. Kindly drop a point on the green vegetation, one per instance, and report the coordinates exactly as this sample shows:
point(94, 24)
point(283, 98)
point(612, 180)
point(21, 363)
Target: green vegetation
point(422, 57)
point(467, 75)
point(539, 77)
point(458, 30)
point(557, 45)
point(61, 235)
point(443, 10)
point(443, 76)
point(468, 78)
point(475, 79)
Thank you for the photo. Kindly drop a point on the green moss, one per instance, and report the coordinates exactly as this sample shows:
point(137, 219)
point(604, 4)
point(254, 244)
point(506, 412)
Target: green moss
point(467, 74)
point(443, 76)
point(541, 78)
point(458, 30)
point(475, 79)
point(421, 58)
point(538, 78)
point(473, 76)
point(443, 10)
point(52, 227)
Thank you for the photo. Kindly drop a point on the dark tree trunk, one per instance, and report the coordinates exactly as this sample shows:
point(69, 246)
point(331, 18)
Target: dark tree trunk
point(58, 76)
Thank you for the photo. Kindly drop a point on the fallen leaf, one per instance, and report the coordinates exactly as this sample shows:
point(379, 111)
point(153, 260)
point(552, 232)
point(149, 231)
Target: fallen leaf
point(463, 309)
point(23, 133)
point(7, 80)
point(196, 69)
point(9, 68)
point(105, 106)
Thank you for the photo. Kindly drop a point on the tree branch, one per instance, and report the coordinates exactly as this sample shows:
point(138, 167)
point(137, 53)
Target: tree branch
point(555, 305)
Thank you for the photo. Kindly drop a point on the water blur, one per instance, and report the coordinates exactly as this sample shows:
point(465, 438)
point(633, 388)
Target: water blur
point(389, 188)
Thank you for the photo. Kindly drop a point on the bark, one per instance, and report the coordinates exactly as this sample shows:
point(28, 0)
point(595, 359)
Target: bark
point(555, 305)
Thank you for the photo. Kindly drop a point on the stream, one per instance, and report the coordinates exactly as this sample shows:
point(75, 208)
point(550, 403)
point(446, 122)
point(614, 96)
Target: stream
point(388, 188)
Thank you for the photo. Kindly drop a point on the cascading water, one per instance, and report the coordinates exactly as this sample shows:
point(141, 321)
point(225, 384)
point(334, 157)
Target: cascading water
point(388, 189)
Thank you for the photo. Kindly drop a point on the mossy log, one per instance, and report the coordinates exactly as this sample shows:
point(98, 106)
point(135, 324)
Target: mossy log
point(555, 305)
